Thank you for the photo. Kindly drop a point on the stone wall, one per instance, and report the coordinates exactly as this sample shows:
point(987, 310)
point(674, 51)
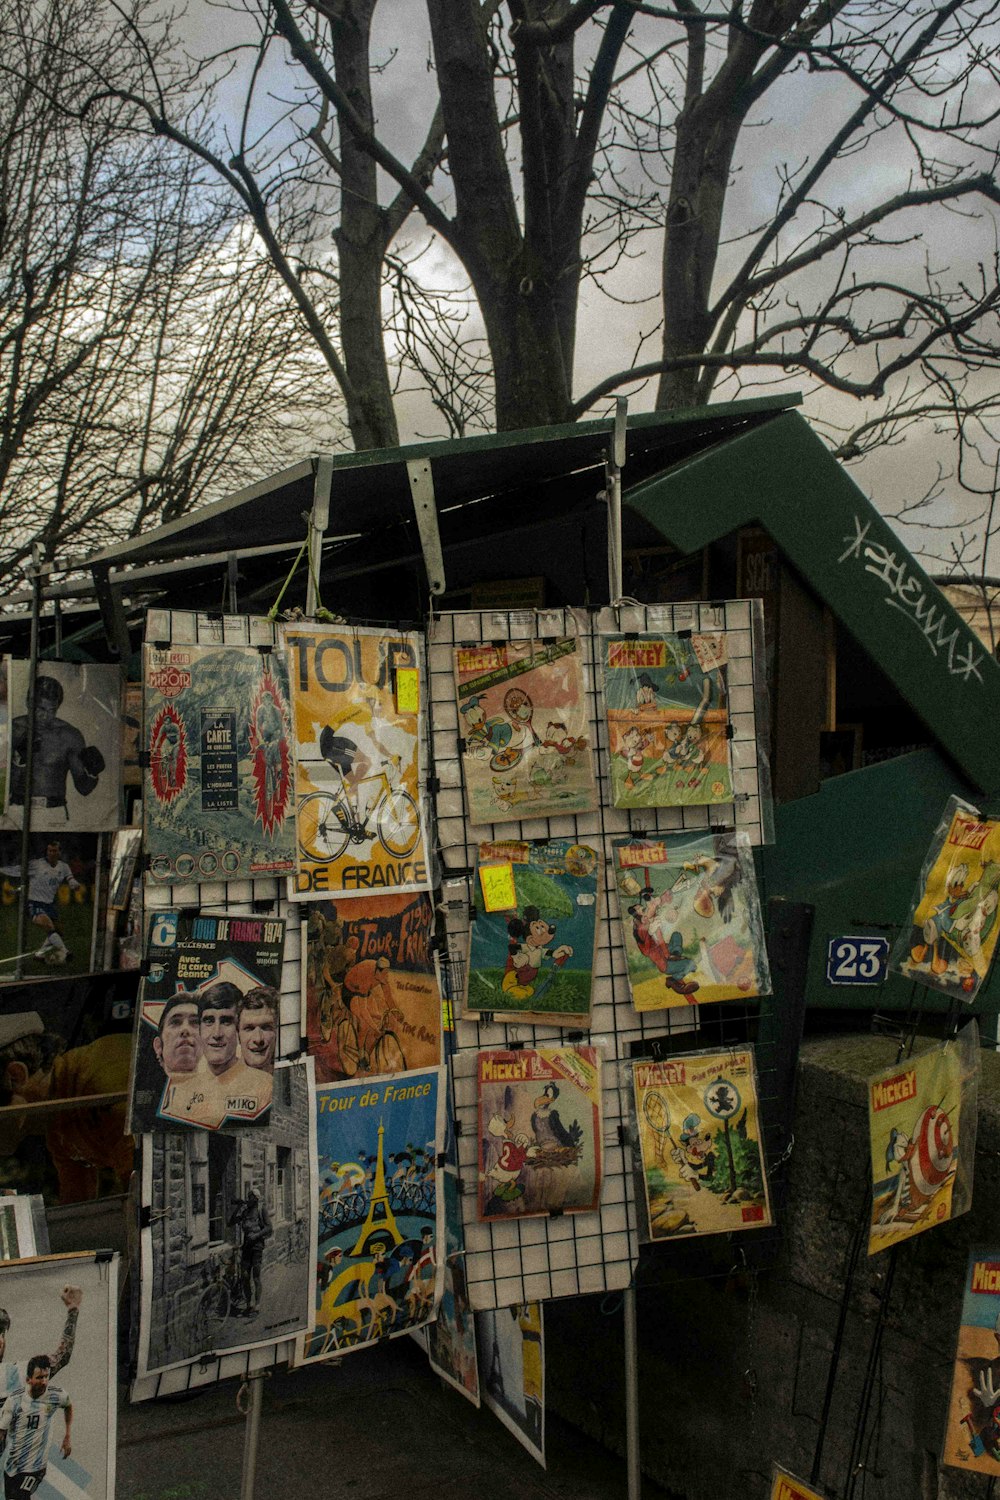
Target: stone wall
point(733, 1369)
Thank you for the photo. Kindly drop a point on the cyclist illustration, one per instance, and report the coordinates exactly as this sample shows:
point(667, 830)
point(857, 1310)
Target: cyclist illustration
point(373, 1009)
point(364, 805)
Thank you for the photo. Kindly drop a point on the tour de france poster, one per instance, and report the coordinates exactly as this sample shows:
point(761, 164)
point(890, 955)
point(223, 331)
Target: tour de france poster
point(357, 715)
point(217, 787)
point(379, 1266)
point(58, 1368)
point(228, 1247)
point(534, 932)
point(526, 740)
point(76, 760)
point(540, 1139)
point(207, 1021)
point(972, 1436)
point(667, 706)
point(700, 1156)
point(451, 1338)
point(372, 1002)
point(690, 919)
point(511, 1344)
point(64, 873)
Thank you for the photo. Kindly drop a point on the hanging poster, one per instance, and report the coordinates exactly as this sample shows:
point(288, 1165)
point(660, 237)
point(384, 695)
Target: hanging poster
point(700, 1157)
point(126, 847)
point(58, 1424)
point(972, 1437)
point(540, 1146)
point(372, 1004)
point(511, 1344)
point(356, 706)
point(690, 919)
point(229, 1240)
point(63, 876)
point(381, 1212)
point(522, 711)
point(786, 1487)
point(76, 764)
point(23, 1230)
point(532, 940)
point(668, 719)
point(922, 1123)
point(949, 940)
point(132, 734)
point(65, 1046)
point(207, 1022)
point(451, 1338)
point(217, 801)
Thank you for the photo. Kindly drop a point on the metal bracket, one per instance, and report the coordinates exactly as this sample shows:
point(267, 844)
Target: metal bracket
point(318, 522)
point(109, 602)
point(422, 489)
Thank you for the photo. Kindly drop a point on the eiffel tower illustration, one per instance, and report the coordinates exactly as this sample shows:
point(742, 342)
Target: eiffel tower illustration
point(380, 1218)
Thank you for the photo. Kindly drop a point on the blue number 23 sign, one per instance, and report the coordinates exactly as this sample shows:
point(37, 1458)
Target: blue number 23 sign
point(857, 960)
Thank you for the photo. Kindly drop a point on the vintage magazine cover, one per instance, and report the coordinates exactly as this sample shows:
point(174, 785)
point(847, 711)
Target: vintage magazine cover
point(922, 1123)
point(132, 734)
point(511, 1344)
point(668, 719)
point(785, 1486)
point(76, 767)
point(526, 750)
point(229, 1243)
point(207, 1022)
point(951, 936)
point(690, 919)
point(63, 900)
point(972, 1436)
point(451, 1338)
point(540, 1142)
point(357, 713)
point(379, 1271)
point(533, 937)
point(700, 1157)
point(371, 1000)
point(21, 1215)
point(62, 1042)
point(58, 1372)
point(217, 788)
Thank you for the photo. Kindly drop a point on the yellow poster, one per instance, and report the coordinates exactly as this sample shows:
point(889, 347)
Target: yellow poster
point(784, 1487)
point(356, 721)
point(953, 931)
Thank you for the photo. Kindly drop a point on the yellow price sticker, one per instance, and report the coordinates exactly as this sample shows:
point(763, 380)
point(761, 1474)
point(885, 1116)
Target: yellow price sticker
point(497, 882)
point(407, 690)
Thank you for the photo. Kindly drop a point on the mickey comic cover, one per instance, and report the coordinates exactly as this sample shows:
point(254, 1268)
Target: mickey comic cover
point(972, 1436)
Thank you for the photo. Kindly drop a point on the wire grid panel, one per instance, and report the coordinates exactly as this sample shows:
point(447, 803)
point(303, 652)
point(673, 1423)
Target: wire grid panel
point(569, 1254)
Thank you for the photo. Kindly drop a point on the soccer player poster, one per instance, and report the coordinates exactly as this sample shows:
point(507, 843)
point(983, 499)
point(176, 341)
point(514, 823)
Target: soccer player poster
point(381, 1244)
point(58, 1372)
point(356, 711)
point(63, 873)
point(76, 764)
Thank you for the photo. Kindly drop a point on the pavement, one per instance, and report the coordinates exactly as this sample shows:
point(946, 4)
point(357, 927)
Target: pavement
point(379, 1424)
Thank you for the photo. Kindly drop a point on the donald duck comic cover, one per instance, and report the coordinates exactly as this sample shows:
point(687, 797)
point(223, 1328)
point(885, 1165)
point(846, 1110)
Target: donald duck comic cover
point(532, 939)
point(972, 1436)
point(949, 941)
point(540, 1143)
point(690, 920)
point(525, 737)
point(699, 1152)
point(667, 705)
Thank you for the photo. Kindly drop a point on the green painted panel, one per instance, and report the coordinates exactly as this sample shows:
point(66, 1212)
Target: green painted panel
point(854, 852)
point(782, 476)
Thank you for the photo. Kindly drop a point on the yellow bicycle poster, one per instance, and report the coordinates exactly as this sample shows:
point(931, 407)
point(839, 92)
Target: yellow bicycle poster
point(356, 715)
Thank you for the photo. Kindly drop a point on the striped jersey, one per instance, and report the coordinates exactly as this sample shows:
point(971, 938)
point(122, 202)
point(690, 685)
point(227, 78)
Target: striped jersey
point(27, 1423)
point(12, 1378)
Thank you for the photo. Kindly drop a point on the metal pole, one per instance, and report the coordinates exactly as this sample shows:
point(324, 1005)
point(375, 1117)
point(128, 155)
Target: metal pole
point(29, 759)
point(631, 1396)
point(614, 466)
point(251, 1435)
point(319, 519)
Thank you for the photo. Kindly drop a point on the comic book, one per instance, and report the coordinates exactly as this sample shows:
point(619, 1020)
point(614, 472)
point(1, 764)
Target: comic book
point(972, 1435)
point(785, 1486)
point(921, 1117)
point(356, 714)
point(379, 1270)
point(699, 1152)
point(217, 785)
point(451, 1338)
point(690, 919)
point(76, 765)
point(511, 1344)
point(532, 940)
point(950, 938)
point(667, 705)
point(525, 736)
point(371, 1000)
point(207, 1022)
point(540, 1142)
point(64, 876)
